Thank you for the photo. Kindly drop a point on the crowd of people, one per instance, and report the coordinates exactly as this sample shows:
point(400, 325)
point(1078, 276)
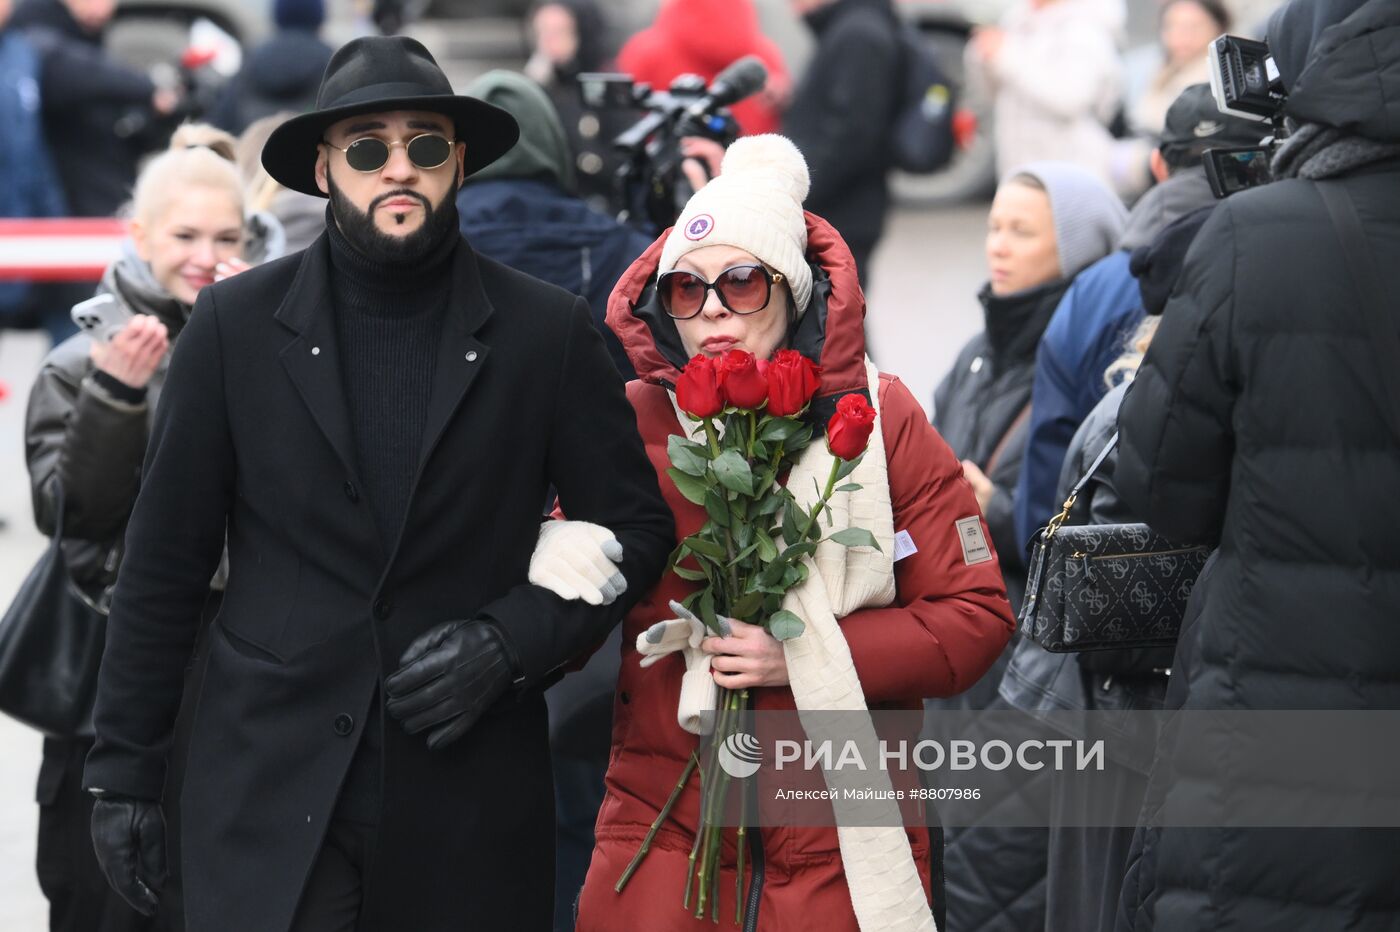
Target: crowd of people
point(369, 330)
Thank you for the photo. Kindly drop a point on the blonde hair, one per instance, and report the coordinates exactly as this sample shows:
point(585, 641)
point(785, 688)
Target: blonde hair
point(1126, 366)
point(259, 186)
point(199, 155)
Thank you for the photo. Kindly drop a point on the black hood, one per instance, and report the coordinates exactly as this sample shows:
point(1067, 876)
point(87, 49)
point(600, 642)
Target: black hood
point(288, 67)
point(594, 45)
point(1340, 61)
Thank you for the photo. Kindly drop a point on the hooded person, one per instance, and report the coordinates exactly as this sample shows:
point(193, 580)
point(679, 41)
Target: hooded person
point(524, 210)
point(1101, 309)
point(1049, 221)
point(282, 73)
point(878, 633)
point(568, 38)
point(1221, 444)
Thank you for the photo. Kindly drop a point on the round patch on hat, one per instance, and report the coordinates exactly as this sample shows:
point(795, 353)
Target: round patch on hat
point(700, 227)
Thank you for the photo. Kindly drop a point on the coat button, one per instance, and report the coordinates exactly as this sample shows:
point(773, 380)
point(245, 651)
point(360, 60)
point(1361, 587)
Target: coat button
point(344, 724)
point(382, 608)
point(351, 492)
point(471, 357)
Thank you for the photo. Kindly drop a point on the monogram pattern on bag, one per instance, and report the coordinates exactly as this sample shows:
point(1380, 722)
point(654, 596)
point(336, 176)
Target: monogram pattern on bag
point(1100, 586)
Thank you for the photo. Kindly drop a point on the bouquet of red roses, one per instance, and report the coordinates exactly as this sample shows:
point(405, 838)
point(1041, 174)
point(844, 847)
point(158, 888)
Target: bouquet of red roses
point(752, 548)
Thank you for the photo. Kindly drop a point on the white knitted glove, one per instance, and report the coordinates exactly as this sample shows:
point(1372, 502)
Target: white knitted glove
point(698, 689)
point(578, 560)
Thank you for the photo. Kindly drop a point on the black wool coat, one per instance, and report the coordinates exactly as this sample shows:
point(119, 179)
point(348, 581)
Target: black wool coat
point(253, 437)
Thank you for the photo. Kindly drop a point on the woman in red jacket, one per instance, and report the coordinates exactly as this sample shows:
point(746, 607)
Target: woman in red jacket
point(785, 279)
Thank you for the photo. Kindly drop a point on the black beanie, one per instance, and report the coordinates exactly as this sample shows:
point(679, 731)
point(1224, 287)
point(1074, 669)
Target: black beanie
point(1158, 266)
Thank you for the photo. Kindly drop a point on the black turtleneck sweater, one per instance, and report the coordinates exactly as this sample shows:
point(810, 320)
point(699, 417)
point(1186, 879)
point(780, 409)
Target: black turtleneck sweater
point(388, 319)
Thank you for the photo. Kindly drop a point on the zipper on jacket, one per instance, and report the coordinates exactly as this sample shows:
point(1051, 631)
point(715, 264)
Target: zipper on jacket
point(755, 878)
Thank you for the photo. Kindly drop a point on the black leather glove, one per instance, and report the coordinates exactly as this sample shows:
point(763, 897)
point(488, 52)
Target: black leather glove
point(128, 836)
point(447, 678)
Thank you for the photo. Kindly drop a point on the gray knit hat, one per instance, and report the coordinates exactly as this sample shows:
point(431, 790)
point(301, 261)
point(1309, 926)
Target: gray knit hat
point(1089, 217)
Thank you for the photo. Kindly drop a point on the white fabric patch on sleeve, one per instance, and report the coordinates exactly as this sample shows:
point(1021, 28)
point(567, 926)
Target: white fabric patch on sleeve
point(903, 546)
point(974, 542)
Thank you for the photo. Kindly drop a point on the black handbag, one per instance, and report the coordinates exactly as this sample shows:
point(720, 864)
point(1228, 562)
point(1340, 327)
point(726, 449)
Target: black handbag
point(1106, 586)
point(51, 642)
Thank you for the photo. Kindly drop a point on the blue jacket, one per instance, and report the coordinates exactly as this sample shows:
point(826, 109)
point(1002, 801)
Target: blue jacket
point(32, 187)
point(1089, 331)
point(535, 227)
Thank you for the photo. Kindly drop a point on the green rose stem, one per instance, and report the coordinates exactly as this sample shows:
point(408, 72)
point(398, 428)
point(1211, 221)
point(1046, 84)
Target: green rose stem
point(709, 802)
point(728, 534)
point(739, 839)
point(826, 497)
point(660, 817)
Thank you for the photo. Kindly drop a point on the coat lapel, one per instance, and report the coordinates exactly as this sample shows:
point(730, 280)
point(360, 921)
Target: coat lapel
point(461, 356)
point(312, 359)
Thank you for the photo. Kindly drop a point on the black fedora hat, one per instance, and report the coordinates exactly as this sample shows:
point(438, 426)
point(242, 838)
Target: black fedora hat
point(377, 74)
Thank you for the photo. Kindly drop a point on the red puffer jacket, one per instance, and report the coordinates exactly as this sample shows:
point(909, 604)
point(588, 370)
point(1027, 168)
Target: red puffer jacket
point(948, 624)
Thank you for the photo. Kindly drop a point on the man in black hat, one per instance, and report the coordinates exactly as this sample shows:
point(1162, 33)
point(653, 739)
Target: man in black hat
point(372, 425)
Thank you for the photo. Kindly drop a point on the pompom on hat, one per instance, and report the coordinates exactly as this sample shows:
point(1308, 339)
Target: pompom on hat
point(754, 204)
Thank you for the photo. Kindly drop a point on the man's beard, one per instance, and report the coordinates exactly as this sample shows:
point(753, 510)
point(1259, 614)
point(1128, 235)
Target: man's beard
point(358, 226)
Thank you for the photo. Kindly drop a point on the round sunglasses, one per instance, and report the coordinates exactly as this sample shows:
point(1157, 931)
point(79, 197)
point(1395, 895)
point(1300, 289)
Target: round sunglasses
point(371, 153)
point(742, 289)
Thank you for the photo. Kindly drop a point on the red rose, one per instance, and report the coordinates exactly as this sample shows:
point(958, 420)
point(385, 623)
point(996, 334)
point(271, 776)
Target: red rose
point(792, 381)
point(741, 380)
point(848, 432)
point(697, 390)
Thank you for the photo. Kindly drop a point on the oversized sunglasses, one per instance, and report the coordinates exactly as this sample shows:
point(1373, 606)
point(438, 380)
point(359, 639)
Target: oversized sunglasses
point(742, 289)
point(371, 153)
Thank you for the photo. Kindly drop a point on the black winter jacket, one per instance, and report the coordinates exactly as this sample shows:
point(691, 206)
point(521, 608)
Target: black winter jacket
point(982, 404)
point(842, 112)
point(78, 435)
point(1259, 420)
point(85, 94)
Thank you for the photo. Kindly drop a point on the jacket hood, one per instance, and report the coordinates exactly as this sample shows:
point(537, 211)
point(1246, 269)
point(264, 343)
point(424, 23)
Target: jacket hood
point(716, 32)
point(831, 332)
point(591, 28)
point(543, 149)
point(1340, 60)
point(288, 66)
point(1181, 194)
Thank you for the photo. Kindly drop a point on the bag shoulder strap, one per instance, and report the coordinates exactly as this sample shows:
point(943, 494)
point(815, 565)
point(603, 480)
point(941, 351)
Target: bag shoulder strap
point(1060, 518)
point(1361, 263)
point(1021, 417)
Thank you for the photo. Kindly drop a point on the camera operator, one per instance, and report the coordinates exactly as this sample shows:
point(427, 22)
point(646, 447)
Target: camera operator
point(1264, 420)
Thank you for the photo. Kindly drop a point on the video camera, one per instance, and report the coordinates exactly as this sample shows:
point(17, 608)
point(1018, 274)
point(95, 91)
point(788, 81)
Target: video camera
point(1245, 82)
point(651, 183)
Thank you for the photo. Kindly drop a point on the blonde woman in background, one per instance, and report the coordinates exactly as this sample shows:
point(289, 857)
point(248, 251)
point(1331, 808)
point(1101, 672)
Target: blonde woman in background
point(85, 434)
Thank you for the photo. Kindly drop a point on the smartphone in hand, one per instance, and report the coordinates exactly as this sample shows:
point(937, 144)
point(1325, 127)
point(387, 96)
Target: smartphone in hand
point(101, 317)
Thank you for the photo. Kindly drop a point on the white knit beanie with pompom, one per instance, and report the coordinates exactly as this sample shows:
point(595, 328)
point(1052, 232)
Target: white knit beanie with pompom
point(754, 204)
